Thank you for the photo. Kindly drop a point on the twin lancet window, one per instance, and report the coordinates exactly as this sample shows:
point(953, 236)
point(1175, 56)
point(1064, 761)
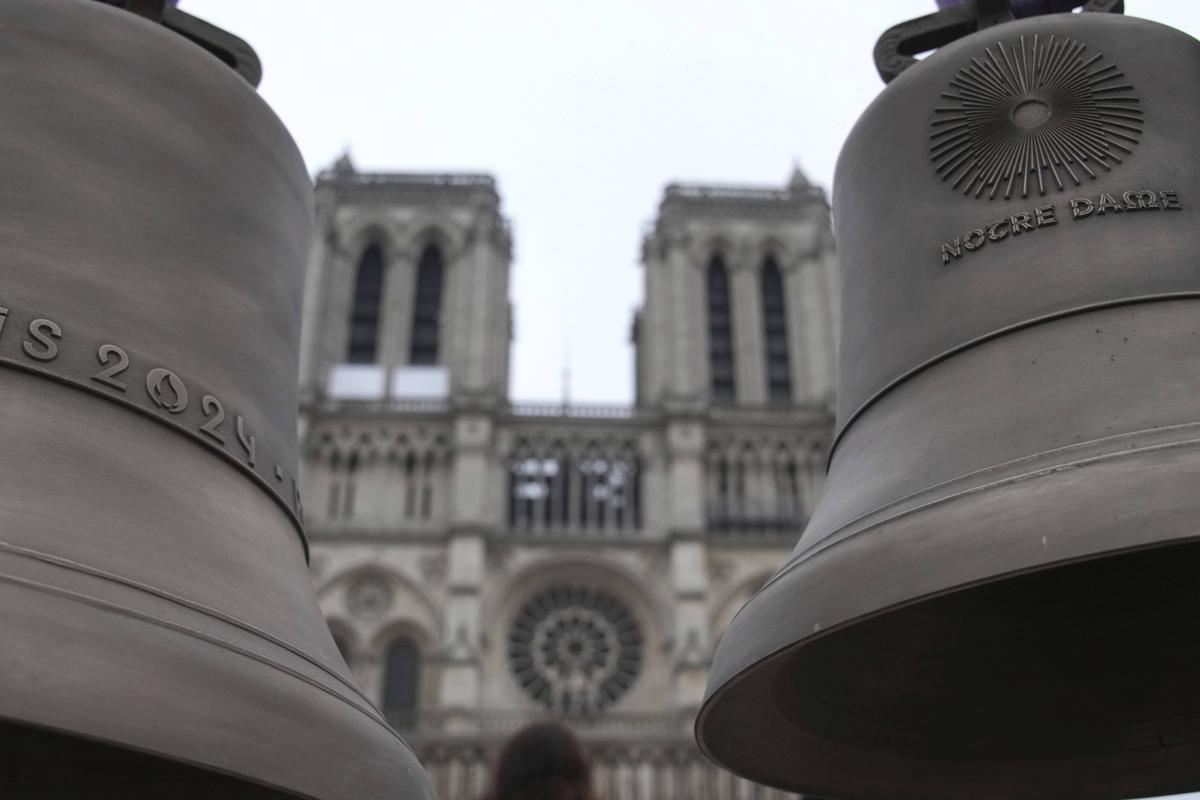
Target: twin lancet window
point(720, 332)
point(366, 313)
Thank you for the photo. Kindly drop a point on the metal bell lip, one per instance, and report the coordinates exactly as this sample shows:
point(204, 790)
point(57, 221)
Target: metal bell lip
point(992, 598)
point(159, 628)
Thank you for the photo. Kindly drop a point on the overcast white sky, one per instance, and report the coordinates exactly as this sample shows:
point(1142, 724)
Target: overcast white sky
point(583, 112)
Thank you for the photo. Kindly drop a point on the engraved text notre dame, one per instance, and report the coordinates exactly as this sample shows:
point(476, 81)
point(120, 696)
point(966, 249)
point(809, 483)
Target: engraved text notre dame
point(1044, 216)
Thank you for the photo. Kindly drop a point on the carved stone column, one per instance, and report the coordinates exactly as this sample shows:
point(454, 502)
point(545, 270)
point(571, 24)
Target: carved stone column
point(459, 689)
point(833, 308)
point(688, 558)
point(749, 356)
point(818, 305)
point(815, 318)
point(800, 327)
point(311, 332)
point(399, 290)
point(654, 495)
point(473, 469)
point(336, 279)
point(656, 322)
point(689, 373)
point(693, 650)
point(475, 293)
point(479, 314)
point(685, 453)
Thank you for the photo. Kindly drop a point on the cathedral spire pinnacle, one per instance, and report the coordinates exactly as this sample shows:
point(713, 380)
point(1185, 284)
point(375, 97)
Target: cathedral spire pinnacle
point(344, 166)
point(798, 182)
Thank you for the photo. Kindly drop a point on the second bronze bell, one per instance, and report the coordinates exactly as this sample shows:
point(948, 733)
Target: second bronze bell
point(995, 596)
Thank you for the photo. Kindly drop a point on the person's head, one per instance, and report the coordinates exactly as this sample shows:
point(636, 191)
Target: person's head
point(542, 762)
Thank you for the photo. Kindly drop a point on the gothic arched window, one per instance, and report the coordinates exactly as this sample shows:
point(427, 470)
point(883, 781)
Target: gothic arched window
point(401, 674)
point(774, 309)
point(720, 332)
point(427, 310)
point(364, 311)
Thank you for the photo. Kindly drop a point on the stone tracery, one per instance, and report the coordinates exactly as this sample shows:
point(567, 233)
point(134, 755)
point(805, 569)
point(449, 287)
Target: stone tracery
point(567, 484)
point(575, 649)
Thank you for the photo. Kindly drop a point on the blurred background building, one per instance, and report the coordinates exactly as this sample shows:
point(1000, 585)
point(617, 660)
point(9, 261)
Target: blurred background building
point(484, 563)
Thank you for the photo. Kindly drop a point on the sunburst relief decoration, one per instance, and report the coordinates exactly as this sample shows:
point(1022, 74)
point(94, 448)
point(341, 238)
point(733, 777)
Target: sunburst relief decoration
point(1031, 116)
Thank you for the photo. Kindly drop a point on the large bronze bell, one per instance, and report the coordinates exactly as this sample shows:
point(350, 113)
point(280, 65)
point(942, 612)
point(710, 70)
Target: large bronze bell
point(158, 633)
point(998, 594)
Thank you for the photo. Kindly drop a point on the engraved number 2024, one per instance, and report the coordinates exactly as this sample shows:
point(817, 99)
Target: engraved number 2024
point(108, 375)
point(115, 361)
point(214, 414)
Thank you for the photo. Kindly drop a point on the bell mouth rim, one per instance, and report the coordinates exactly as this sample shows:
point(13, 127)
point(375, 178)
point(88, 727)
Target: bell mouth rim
point(85, 741)
point(756, 686)
point(1066, 444)
point(212, 704)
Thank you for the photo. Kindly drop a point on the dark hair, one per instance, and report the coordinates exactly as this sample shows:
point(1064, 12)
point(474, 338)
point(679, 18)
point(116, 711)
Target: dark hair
point(542, 762)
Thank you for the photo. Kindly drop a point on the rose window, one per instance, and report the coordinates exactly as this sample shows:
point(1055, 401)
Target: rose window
point(574, 649)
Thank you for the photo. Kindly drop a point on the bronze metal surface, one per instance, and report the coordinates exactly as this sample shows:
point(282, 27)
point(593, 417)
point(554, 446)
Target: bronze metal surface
point(160, 633)
point(992, 598)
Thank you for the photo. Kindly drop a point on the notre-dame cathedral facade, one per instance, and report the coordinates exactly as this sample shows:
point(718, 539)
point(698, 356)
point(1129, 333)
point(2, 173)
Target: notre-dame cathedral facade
point(484, 563)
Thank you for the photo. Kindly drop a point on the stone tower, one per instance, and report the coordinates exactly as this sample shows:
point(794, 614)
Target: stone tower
point(741, 299)
point(484, 563)
point(407, 288)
